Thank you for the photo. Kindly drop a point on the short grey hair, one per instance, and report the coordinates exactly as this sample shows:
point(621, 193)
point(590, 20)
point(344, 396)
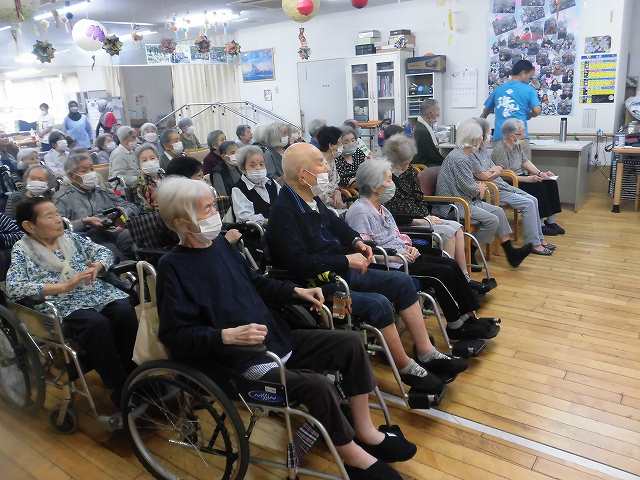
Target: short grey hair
point(73, 161)
point(177, 198)
point(125, 132)
point(399, 148)
point(24, 153)
point(164, 136)
point(274, 134)
point(31, 169)
point(315, 125)
point(468, 134)
point(347, 130)
point(511, 126)
point(427, 105)
point(144, 147)
point(260, 134)
point(148, 126)
point(185, 122)
point(484, 125)
point(370, 175)
point(213, 137)
point(243, 154)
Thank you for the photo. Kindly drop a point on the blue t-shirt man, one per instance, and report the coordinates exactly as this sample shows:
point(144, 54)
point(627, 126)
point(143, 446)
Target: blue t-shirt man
point(514, 99)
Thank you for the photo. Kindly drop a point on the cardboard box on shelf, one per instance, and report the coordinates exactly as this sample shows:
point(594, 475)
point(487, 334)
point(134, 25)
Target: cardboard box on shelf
point(365, 49)
point(369, 34)
point(399, 32)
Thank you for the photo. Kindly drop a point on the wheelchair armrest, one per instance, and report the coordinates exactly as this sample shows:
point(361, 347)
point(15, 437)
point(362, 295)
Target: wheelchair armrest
point(246, 349)
point(123, 267)
point(420, 229)
point(31, 301)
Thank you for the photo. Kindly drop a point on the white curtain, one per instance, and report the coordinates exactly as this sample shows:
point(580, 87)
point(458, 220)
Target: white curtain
point(203, 83)
point(112, 80)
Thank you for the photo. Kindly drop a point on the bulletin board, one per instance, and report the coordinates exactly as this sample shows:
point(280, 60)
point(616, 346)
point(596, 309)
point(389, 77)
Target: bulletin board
point(543, 32)
point(598, 78)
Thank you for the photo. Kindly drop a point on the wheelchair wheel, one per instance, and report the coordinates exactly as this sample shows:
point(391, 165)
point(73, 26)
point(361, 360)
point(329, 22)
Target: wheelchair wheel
point(69, 423)
point(182, 424)
point(21, 375)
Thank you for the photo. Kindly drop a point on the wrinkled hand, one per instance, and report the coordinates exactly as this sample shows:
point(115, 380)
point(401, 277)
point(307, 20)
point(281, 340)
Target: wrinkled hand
point(92, 221)
point(311, 295)
point(337, 200)
point(251, 334)
point(435, 220)
point(364, 249)
point(358, 262)
point(497, 169)
point(412, 253)
point(233, 236)
point(482, 188)
point(95, 268)
point(85, 277)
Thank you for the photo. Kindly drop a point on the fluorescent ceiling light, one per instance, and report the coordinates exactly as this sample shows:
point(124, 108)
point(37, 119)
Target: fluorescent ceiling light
point(26, 58)
point(22, 72)
point(76, 7)
point(2, 29)
point(199, 19)
point(141, 24)
point(144, 33)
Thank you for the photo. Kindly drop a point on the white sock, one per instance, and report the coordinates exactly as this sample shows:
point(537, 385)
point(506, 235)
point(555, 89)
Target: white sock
point(432, 355)
point(414, 369)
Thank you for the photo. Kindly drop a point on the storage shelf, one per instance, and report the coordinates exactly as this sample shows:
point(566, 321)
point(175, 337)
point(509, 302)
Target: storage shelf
point(386, 98)
point(361, 99)
point(419, 96)
point(359, 73)
point(385, 71)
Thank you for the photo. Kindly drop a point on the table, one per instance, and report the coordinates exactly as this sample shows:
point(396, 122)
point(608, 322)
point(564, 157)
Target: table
point(569, 160)
point(622, 154)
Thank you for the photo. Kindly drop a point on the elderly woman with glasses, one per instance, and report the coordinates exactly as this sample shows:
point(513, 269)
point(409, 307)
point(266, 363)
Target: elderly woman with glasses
point(65, 268)
point(209, 301)
point(369, 217)
point(254, 194)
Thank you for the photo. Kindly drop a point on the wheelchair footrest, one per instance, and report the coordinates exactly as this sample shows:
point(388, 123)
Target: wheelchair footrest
point(422, 400)
point(468, 348)
point(489, 284)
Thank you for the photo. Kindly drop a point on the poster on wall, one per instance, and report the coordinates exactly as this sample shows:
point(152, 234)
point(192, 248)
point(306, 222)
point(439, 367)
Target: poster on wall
point(257, 65)
point(543, 32)
point(598, 78)
point(185, 52)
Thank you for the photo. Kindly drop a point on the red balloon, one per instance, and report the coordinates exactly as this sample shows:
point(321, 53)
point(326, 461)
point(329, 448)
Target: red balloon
point(305, 7)
point(359, 3)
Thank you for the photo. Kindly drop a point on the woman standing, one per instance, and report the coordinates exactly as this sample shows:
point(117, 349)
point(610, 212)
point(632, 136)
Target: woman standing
point(77, 126)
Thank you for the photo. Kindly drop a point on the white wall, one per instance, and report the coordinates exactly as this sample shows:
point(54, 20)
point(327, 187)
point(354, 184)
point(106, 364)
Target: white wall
point(331, 36)
point(148, 91)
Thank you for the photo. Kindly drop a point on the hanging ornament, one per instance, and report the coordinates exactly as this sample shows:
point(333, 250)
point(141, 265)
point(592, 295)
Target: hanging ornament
point(304, 52)
point(44, 51)
point(43, 26)
point(136, 37)
point(203, 43)
point(300, 10)
point(167, 45)
point(359, 3)
point(232, 48)
point(88, 34)
point(56, 17)
point(12, 11)
point(15, 36)
point(112, 45)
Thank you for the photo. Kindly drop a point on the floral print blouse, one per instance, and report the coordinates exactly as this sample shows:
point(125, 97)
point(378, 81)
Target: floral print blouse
point(347, 171)
point(25, 278)
point(146, 191)
point(408, 197)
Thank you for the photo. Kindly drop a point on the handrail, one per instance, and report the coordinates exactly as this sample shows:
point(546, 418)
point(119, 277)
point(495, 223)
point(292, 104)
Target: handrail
point(227, 106)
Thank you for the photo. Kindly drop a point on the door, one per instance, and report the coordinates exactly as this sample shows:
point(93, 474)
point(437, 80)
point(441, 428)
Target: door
point(323, 91)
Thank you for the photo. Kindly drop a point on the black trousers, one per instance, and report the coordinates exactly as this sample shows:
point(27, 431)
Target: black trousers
point(107, 339)
point(318, 351)
point(452, 290)
point(547, 194)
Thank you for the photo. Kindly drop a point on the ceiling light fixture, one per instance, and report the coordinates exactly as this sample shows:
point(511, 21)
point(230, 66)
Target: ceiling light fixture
point(199, 19)
point(5, 28)
point(22, 72)
point(76, 7)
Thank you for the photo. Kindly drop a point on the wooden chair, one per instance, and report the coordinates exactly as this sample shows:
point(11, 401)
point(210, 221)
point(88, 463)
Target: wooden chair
point(102, 170)
point(510, 177)
point(198, 154)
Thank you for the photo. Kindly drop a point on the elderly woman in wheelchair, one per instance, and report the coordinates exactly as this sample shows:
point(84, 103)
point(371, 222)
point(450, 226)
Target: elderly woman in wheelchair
point(369, 217)
point(210, 303)
point(64, 269)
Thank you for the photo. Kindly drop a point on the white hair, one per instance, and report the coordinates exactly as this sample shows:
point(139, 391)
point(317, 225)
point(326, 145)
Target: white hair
point(177, 199)
point(511, 126)
point(315, 125)
point(370, 175)
point(243, 154)
point(260, 134)
point(399, 148)
point(72, 163)
point(274, 134)
point(469, 134)
point(485, 126)
point(148, 126)
point(23, 153)
point(124, 132)
point(144, 147)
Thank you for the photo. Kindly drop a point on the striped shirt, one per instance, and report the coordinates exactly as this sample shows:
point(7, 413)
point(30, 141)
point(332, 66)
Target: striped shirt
point(10, 233)
point(482, 162)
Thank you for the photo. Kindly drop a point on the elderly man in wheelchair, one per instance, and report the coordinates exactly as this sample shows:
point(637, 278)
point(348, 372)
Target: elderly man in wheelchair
point(64, 269)
point(213, 315)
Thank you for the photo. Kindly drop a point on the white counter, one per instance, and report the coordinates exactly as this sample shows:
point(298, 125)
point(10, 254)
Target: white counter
point(544, 145)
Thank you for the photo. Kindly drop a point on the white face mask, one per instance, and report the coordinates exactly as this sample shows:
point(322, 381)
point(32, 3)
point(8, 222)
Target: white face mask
point(61, 145)
point(350, 149)
point(388, 193)
point(110, 147)
point(231, 160)
point(284, 141)
point(90, 180)
point(322, 180)
point(178, 147)
point(339, 151)
point(37, 188)
point(190, 130)
point(150, 137)
point(210, 227)
point(259, 177)
point(150, 167)
point(74, 109)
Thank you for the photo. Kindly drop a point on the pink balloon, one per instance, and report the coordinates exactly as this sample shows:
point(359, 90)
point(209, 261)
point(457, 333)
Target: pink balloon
point(305, 7)
point(359, 3)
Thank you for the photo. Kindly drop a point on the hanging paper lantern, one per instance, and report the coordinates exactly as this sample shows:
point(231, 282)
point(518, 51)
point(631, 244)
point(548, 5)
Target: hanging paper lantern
point(44, 51)
point(167, 45)
point(112, 45)
point(359, 3)
point(88, 34)
point(12, 11)
point(203, 43)
point(300, 10)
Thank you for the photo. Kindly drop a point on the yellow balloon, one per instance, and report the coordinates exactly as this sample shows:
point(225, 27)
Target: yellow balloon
point(290, 7)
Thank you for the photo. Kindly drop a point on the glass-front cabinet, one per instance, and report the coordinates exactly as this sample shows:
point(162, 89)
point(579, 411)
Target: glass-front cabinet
point(376, 87)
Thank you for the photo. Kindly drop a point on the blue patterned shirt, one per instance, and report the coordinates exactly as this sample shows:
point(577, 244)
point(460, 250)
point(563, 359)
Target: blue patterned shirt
point(25, 278)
